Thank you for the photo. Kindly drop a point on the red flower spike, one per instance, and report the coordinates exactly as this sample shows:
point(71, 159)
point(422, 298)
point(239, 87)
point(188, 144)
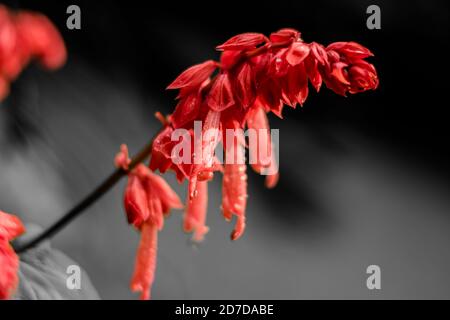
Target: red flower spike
point(195, 215)
point(194, 75)
point(220, 96)
point(145, 267)
point(10, 228)
point(256, 75)
point(243, 41)
point(296, 53)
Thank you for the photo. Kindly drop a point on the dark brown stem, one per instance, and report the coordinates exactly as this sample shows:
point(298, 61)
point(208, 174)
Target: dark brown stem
point(91, 198)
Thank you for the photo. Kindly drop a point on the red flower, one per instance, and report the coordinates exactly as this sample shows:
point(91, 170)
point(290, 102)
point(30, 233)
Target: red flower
point(347, 71)
point(10, 227)
point(256, 75)
point(148, 198)
point(24, 36)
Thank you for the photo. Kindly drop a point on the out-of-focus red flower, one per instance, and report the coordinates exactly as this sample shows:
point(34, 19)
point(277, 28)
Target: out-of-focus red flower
point(25, 36)
point(10, 228)
point(148, 199)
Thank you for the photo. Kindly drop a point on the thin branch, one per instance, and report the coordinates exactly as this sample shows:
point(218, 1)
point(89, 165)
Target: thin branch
point(91, 198)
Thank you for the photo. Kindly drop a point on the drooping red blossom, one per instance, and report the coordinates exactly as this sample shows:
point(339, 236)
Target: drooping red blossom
point(10, 228)
point(148, 199)
point(256, 75)
point(25, 36)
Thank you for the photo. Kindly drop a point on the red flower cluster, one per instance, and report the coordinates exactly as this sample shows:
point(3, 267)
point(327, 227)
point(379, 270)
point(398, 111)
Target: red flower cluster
point(26, 35)
point(10, 228)
point(256, 74)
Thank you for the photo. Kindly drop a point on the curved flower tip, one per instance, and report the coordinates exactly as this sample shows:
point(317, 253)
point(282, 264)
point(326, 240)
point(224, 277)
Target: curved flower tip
point(239, 228)
point(195, 215)
point(272, 180)
point(10, 228)
point(145, 267)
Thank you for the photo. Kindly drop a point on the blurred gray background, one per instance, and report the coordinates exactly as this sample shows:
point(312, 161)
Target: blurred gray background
point(364, 179)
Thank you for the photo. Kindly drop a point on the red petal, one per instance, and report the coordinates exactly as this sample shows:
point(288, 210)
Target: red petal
point(351, 49)
point(245, 86)
point(243, 41)
point(194, 75)
point(319, 53)
point(260, 146)
point(186, 110)
point(270, 96)
point(338, 71)
point(220, 97)
point(312, 70)
point(136, 201)
point(169, 199)
point(284, 35)
point(228, 59)
point(297, 52)
point(145, 267)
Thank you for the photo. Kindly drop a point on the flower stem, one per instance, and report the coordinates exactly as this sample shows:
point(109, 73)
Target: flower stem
point(85, 203)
